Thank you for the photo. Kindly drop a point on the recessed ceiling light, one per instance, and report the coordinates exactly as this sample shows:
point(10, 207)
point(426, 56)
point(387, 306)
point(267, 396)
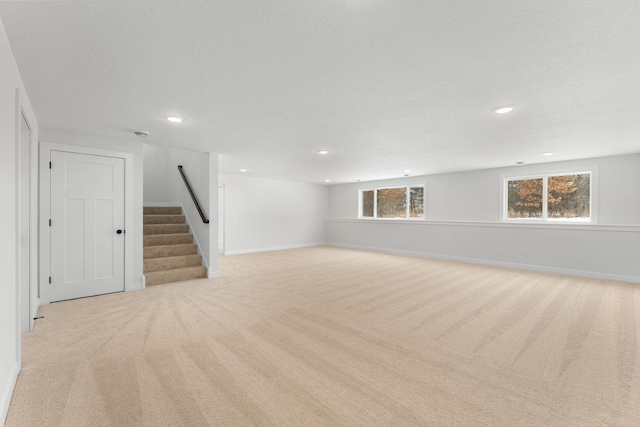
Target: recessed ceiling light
point(504, 109)
point(548, 153)
point(243, 170)
point(141, 133)
point(175, 119)
point(519, 163)
point(407, 171)
point(327, 180)
point(323, 152)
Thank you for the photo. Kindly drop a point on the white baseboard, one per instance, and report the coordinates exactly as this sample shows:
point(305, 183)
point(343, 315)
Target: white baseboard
point(273, 248)
point(527, 267)
point(212, 274)
point(135, 286)
point(8, 392)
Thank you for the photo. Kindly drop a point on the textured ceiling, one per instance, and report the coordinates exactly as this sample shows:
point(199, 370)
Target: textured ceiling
point(384, 85)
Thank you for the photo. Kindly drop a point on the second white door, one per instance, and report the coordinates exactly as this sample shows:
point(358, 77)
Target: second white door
point(87, 225)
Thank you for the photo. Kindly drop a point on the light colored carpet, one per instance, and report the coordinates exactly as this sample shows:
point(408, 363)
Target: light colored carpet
point(325, 336)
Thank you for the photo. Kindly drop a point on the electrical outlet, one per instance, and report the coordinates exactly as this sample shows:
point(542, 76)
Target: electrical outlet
point(526, 253)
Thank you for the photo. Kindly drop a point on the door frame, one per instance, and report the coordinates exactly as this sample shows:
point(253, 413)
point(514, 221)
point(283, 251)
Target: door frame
point(23, 109)
point(221, 218)
point(45, 212)
point(23, 217)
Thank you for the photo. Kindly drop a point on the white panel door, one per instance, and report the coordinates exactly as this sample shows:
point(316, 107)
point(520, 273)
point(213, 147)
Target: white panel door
point(87, 225)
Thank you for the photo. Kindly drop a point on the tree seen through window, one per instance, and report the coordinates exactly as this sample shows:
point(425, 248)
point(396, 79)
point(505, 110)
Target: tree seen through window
point(567, 197)
point(396, 202)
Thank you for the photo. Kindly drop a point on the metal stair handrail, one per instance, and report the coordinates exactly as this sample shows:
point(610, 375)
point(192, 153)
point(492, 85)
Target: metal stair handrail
point(193, 196)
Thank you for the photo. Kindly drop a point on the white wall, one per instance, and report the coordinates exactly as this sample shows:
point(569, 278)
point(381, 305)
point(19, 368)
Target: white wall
point(475, 195)
point(133, 207)
point(156, 175)
point(214, 255)
point(163, 184)
point(267, 214)
point(605, 252)
point(463, 212)
point(13, 99)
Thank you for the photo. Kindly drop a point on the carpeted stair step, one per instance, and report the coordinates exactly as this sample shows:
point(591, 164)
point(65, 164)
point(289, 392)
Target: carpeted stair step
point(172, 262)
point(167, 239)
point(163, 219)
point(175, 275)
point(162, 210)
point(169, 250)
point(165, 229)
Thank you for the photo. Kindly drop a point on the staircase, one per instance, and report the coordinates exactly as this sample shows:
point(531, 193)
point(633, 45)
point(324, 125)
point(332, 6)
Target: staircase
point(169, 252)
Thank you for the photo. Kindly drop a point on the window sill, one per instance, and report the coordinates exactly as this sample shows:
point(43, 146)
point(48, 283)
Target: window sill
point(568, 222)
point(493, 224)
point(391, 219)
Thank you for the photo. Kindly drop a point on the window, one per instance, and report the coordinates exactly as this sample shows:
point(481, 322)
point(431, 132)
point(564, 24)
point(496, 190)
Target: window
point(525, 198)
point(392, 203)
point(561, 197)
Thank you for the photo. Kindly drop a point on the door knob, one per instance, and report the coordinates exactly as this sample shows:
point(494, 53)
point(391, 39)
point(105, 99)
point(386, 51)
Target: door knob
point(119, 231)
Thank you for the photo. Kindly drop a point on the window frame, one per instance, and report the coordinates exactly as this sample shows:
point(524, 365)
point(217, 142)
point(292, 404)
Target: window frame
point(504, 211)
point(407, 188)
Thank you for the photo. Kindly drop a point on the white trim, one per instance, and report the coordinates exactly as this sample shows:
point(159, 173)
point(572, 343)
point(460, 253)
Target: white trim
point(136, 286)
point(503, 224)
point(45, 199)
point(17, 224)
point(412, 219)
point(34, 314)
point(222, 219)
point(8, 392)
point(31, 216)
point(535, 268)
point(17, 330)
point(195, 238)
point(274, 248)
point(593, 195)
point(407, 187)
